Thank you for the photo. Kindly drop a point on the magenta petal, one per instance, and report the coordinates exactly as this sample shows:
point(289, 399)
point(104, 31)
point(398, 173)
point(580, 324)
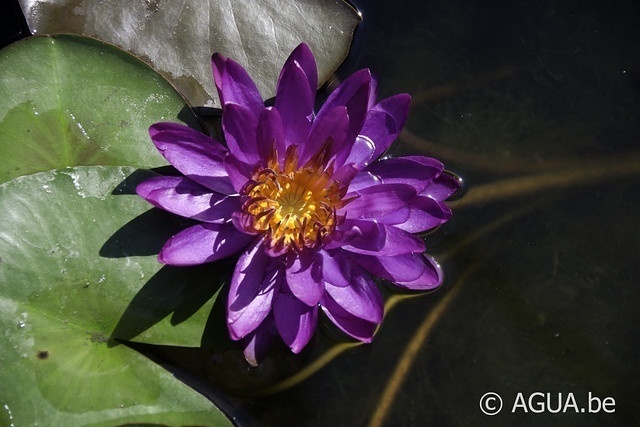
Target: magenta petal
point(336, 269)
point(411, 271)
point(363, 179)
point(417, 171)
point(425, 214)
point(254, 282)
point(361, 298)
point(181, 196)
point(257, 343)
point(352, 93)
point(352, 325)
point(235, 85)
point(379, 200)
point(239, 125)
point(197, 156)
point(397, 218)
point(238, 172)
point(304, 57)
point(294, 101)
point(385, 121)
point(381, 240)
point(362, 152)
point(330, 127)
point(304, 277)
point(295, 321)
point(203, 243)
point(270, 133)
point(442, 187)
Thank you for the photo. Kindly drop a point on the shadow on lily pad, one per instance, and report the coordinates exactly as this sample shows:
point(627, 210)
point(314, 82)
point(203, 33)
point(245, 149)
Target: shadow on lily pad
point(175, 291)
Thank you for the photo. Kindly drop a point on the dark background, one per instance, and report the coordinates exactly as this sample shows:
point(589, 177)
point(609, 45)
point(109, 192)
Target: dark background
point(536, 105)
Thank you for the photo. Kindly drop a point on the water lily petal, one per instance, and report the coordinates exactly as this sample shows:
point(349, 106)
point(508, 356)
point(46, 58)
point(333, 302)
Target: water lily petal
point(378, 200)
point(363, 179)
point(397, 218)
point(203, 243)
point(417, 171)
point(361, 299)
point(352, 325)
point(353, 93)
point(295, 101)
point(238, 172)
point(181, 196)
point(327, 133)
point(239, 125)
point(381, 239)
point(255, 281)
point(442, 187)
point(235, 85)
point(195, 155)
point(336, 269)
point(362, 152)
point(257, 343)
point(304, 57)
point(425, 214)
point(385, 121)
point(295, 320)
point(270, 133)
point(410, 271)
point(304, 277)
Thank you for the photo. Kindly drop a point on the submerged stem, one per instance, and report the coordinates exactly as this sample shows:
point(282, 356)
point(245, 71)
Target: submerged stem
point(520, 186)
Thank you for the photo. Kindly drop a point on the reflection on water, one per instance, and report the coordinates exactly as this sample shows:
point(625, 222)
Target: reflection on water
point(536, 105)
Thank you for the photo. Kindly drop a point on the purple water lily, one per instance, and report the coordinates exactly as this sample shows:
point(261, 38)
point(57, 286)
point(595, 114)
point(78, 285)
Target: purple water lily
point(305, 200)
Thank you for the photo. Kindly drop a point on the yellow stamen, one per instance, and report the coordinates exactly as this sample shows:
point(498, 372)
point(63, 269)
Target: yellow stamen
point(295, 207)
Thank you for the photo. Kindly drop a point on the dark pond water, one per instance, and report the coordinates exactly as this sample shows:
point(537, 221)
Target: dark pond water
point(536, 104)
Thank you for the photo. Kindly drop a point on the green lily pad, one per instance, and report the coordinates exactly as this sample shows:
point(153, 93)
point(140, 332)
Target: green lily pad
point(77, 272)
point(178, 38)
point(71, 100)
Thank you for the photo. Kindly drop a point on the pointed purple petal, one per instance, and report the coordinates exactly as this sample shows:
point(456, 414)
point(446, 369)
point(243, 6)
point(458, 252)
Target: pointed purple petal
point(397, 218)
point(352, 93)
point(235, 85)
point(443, 187)
point(417, 171)
point(362, 152)
point(361, 298)
point(354, 326)
point(294, 101)
point(304, 57)
point(270, 133)
point(332, 127)
point(181, 196)
point(295, 321)
point(304, 277)
point(336, 269)
point(195, 155)
point(410, 271)
point(381, 240)
point(239, 125)
point(385, 121)
point(425, 214)
point(203, 243)
point(174, 127)
point(257, 343)
point(379, 200)
point(238, 172)
point(363, 179)
point(254, 283)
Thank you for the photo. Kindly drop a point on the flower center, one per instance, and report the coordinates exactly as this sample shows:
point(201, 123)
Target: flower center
point(296, 208)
